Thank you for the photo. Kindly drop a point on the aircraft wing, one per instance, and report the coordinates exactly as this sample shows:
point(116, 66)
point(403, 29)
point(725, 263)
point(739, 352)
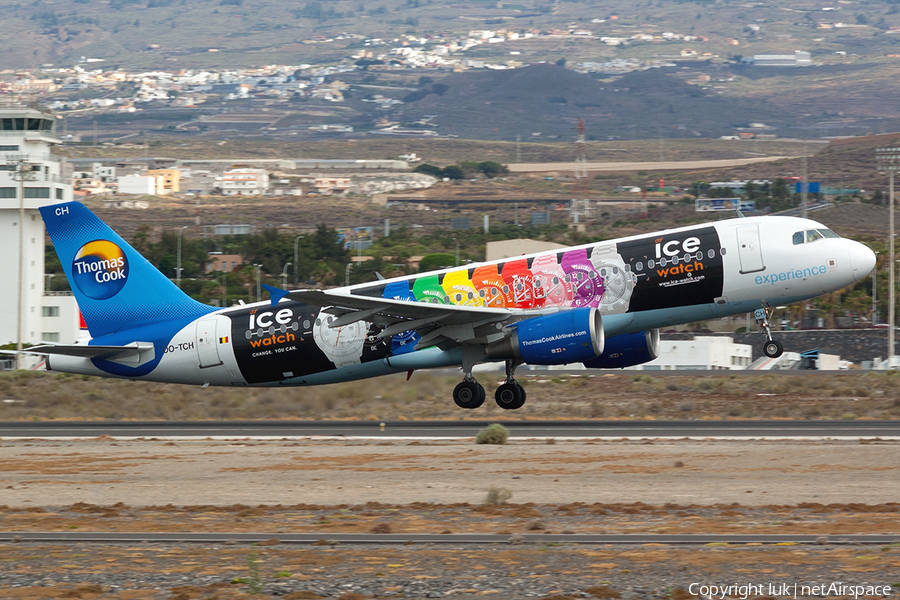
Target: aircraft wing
point(441, 324)
point(117, 353)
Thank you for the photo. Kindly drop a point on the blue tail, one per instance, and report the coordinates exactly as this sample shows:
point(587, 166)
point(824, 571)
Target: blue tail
point(116, 288)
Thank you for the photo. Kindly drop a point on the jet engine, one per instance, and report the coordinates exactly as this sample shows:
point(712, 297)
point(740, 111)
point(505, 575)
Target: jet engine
point(568, 336)
point(627, 350)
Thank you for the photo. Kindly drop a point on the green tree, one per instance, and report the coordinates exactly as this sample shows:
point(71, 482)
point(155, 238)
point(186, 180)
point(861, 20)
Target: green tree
point(453, 172)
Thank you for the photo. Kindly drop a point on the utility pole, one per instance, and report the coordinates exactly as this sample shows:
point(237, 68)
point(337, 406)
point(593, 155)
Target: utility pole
point(889, 160)
point(518, 148)
point(22, 171)
point(296, 241)
point(580, 206)
point(178, 259)
point(804, 185)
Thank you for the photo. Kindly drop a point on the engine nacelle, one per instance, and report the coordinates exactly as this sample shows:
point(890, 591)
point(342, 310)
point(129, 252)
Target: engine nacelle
point(568, 336)
point(627, 350)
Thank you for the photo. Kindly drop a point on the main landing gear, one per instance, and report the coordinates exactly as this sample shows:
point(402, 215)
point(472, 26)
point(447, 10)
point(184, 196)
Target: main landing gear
point(469, 393)
point(772, 348)
point(510, 395)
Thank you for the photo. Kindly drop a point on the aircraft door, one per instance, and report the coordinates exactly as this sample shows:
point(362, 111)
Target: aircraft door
point(749, 249)
point(207, 343)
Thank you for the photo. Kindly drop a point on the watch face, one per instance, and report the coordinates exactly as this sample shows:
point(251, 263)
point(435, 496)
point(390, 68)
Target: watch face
point(375, 348)
point(522, 288)
point(460, 289)
point(428, 289)
point(494, 291)
point(618, 285)
point(342, 345)
point(551, 287)
point(405, 341)
point(587, 285)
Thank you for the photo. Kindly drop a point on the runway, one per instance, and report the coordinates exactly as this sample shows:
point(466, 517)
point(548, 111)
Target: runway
point(724, 430)
point(462, 538)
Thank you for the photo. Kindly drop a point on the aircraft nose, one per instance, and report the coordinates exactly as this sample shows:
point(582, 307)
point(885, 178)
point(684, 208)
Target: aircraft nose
point(862, 260)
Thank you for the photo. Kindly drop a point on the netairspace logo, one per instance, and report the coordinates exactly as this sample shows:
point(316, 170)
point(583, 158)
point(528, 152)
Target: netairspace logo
point(782, 589)
point(100, 269)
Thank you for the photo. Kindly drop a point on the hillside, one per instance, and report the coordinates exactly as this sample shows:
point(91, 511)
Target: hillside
point(547, 100)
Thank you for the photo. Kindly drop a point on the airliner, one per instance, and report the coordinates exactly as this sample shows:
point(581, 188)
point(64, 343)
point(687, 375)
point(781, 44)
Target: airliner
point(601, 304)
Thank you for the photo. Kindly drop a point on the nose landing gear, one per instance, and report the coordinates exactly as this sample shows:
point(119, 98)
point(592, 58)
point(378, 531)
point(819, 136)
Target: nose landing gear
point(772, 348)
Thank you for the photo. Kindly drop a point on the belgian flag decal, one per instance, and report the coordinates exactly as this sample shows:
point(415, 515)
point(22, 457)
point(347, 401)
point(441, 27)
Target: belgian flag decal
point(223, 340)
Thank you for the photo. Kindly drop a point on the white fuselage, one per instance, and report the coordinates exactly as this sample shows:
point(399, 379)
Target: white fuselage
point(637, 283)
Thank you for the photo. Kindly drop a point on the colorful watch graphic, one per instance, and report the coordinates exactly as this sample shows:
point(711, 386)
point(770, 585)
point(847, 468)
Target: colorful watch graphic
point(342, 345)
point(618, 282)
point(494, 291)
point(428, 289)
point(587, 286)
point(460, 289)
point(551, 286)
point(406, 341)
point(520, 280)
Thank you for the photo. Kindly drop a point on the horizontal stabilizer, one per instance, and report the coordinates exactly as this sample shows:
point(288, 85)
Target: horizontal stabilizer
point(129, 353)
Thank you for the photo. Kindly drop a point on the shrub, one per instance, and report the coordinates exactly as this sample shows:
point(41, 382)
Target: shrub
point(497, 496)
point(494, 433)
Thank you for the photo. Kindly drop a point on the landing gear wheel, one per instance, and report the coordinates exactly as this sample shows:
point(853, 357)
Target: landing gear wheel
point(469, 394)
point(773, 349)
point(510, 396)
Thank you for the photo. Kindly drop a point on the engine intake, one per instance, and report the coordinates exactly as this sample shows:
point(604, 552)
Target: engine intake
point(627, 350)
point(565, 337)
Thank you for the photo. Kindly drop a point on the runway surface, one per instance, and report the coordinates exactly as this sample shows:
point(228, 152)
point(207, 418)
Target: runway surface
point(735, 430)
point(461, 538)
point(672, 165)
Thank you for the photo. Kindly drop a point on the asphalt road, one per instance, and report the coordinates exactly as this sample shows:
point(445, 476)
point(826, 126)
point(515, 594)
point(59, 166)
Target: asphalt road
point(429, 538)
point(454, 429)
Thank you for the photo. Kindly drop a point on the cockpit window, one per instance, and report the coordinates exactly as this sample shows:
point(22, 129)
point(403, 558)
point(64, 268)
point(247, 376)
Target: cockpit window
point(812, 235)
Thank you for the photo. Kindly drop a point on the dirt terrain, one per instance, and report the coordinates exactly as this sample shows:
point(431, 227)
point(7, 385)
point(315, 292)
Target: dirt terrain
point(826, 489)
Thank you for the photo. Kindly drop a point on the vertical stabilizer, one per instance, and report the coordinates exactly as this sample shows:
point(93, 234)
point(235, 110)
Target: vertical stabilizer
point(116, 288)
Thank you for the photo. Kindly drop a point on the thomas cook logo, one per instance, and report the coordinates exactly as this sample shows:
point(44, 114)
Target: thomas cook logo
point(100, 269)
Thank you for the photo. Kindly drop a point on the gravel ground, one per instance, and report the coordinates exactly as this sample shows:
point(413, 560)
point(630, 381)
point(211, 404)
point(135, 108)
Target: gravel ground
point(165, 571)
point(821, 487)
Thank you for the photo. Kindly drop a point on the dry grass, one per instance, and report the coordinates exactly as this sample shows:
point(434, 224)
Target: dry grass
point(803, 518)
point(620, 395)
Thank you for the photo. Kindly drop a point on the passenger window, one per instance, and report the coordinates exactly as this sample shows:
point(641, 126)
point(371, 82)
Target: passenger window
point(798, 238)
point(812, 235)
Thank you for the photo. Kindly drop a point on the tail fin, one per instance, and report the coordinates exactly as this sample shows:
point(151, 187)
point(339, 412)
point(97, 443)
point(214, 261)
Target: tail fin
point(116, 288)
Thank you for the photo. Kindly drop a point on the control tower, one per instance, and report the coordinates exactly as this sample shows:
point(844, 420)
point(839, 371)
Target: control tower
point(30, 177)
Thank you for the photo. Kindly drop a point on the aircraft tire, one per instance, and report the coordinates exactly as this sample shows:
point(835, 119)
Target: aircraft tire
point(510, 396)
point(773, 349)
point(469, 394)
point(522, 391)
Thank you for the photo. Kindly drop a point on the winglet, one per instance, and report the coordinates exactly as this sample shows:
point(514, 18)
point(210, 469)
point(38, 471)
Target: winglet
point(275, 293)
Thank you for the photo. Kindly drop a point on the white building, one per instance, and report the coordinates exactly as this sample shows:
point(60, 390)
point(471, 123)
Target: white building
point(26, 137)
point(243, 182)
point(138, 184)
point(706, 353)
point(105, 173)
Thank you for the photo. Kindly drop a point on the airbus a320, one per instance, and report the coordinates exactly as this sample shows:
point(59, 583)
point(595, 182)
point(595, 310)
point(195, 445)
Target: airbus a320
point(600, 304)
